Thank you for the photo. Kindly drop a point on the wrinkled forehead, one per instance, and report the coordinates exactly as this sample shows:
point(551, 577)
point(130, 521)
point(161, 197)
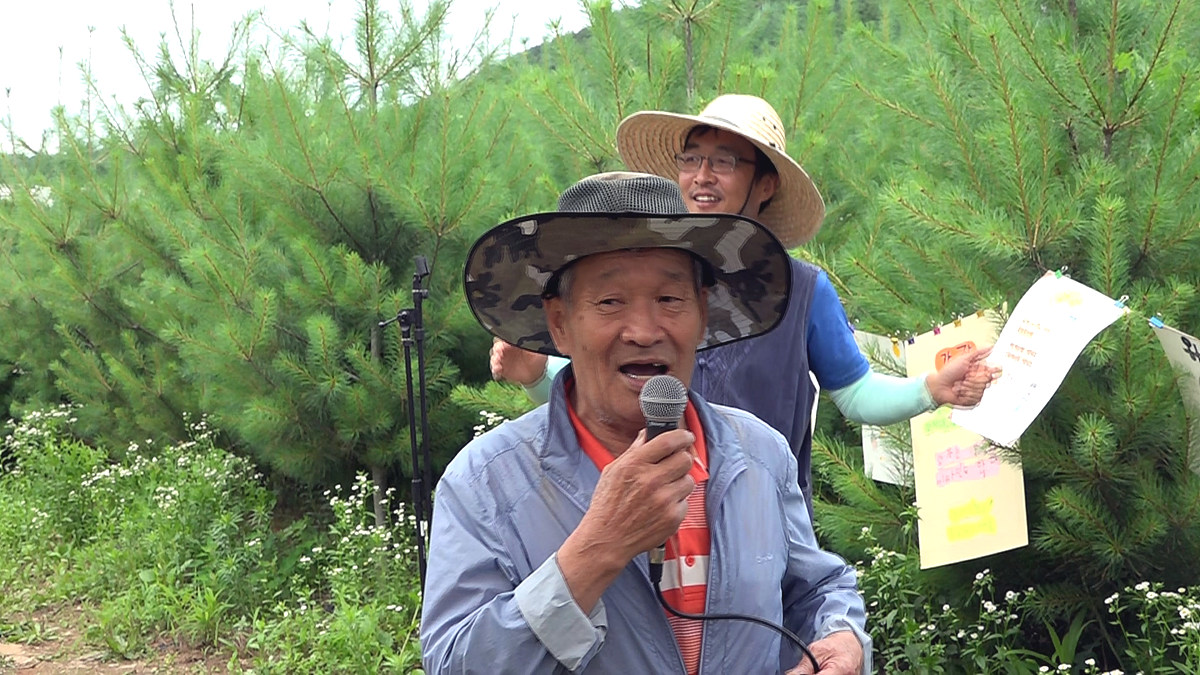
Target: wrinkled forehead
point(669, 263)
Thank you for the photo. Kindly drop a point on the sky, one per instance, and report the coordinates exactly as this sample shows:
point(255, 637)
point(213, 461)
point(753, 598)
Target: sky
point(43, 42)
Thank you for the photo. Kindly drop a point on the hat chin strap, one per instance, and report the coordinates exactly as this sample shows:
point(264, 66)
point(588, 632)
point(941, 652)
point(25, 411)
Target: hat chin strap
point(742, 211)
point(746, 201)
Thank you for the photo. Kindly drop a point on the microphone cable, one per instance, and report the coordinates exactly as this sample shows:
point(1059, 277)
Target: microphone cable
point(656, 579)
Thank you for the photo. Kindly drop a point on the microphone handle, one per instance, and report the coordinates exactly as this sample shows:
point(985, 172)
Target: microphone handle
point(659, 553)
point(657, 427)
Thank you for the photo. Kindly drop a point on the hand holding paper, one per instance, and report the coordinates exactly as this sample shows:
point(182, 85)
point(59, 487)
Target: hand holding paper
point(962, 380)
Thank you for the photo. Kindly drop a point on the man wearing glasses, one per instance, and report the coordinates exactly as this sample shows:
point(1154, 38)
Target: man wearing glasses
point(731, 158)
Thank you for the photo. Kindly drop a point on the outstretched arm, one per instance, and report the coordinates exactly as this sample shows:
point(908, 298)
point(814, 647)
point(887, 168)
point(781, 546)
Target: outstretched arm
point(884, 399)
point(531, 370)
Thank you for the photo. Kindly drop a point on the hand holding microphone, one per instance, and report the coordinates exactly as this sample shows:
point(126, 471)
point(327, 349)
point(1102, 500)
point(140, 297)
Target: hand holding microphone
point(641, 497)
point(638, 503)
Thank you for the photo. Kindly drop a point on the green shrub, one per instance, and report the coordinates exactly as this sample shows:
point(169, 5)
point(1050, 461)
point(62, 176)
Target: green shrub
point(179, 541)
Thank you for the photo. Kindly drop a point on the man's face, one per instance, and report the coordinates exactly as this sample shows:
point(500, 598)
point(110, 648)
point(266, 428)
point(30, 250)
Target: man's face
point(737, 192)
point(629, 315)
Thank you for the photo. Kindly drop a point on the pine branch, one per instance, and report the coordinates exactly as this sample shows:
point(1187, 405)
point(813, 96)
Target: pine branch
point(916, 14)
point(315, 186)
point(1158, 52)
point(1144, 248)
point(611, 58)
point(871, 273)
point(1101, 119)
point(960, 274)
point(958, 128)
point(1011, 114)
point(865, 491)
point(956, 36)
point(1110, 65)
point(1023, 32)
point(810, 34)
point(891, 105)
point(923, 215)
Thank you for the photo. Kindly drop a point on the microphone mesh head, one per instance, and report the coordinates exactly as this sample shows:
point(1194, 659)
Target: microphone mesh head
point(663, 399)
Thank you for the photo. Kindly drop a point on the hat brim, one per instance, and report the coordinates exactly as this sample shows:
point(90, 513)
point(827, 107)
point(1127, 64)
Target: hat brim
point(649, 140)
point(509, 266)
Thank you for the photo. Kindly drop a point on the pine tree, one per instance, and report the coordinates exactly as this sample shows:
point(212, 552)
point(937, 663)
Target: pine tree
point(1022, 138)
point(228, 248)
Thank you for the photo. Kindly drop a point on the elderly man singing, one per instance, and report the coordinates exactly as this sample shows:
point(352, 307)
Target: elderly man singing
point(541, 527)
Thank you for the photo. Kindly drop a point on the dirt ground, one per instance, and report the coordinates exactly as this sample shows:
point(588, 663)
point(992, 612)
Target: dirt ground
point(62, 649)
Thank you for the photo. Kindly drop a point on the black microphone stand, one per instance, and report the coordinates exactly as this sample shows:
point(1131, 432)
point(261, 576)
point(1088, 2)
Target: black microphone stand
point(412, 329)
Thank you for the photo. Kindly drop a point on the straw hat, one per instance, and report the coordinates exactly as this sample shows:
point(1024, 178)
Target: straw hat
point(649, 140)
point(514, 266)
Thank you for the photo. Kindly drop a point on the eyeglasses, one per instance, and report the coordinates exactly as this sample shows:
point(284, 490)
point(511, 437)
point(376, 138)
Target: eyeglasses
point(718, 163)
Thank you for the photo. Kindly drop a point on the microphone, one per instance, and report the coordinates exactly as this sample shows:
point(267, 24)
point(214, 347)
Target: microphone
point(663, 400)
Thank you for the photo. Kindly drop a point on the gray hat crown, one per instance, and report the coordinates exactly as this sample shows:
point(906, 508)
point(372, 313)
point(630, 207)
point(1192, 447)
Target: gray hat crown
point(622, 192)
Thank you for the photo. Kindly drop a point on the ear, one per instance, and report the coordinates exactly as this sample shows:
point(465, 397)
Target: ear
point(556, 321)
point(765, 187)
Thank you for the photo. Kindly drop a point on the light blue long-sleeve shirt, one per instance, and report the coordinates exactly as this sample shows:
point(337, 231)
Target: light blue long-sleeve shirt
point(495, 600)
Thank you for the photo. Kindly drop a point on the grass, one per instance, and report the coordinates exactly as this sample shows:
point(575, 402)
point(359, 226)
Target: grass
point(175, 545)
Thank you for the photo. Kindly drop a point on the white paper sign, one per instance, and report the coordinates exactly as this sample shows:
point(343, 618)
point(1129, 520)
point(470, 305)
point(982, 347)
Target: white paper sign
point(886, 458)
point(1183, 351)
point(1049, 328)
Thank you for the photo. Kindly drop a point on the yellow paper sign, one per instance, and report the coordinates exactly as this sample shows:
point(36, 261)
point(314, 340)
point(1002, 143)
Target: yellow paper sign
point(970, 501)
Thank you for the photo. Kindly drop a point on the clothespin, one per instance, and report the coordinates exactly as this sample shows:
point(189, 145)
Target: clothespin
point(1157, 321)
point(896, 346)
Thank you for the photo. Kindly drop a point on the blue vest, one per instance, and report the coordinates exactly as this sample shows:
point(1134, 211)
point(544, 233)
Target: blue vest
point(768, 375)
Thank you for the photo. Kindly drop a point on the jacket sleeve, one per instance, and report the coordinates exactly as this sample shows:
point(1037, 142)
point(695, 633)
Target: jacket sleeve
point(820, 591)
point(479, 616)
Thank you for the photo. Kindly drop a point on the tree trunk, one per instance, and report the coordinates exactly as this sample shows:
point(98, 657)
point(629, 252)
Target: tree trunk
point(379, 473)
point(688, 63)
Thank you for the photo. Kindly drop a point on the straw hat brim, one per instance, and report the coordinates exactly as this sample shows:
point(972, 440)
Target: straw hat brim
point(648, 142)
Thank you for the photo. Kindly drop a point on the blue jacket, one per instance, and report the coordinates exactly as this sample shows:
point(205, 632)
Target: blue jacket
point(495, 601)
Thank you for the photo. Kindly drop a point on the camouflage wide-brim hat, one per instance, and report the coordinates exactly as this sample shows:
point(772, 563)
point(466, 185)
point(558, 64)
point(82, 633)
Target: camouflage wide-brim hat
point(509, 267)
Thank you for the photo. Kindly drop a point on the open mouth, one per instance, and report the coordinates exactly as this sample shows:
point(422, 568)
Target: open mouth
point(643, 370)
